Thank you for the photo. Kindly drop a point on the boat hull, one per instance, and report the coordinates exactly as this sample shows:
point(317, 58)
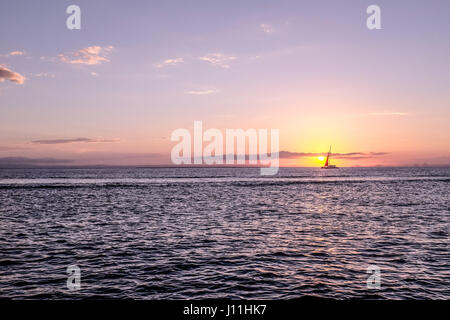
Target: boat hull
point(329, 167)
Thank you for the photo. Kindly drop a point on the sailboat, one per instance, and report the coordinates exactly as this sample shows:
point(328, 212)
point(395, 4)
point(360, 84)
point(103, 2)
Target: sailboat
point(327, 163)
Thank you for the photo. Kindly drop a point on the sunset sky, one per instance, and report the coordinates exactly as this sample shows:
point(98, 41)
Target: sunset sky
point(113, 92)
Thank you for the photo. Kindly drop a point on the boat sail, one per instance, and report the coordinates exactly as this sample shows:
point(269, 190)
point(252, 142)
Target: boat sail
point(327, 162)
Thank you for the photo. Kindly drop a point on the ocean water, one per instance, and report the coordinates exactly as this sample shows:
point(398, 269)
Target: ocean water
point(185, 233)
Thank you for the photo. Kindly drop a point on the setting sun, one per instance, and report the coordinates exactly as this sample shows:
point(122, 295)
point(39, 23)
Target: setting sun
point(321, 158)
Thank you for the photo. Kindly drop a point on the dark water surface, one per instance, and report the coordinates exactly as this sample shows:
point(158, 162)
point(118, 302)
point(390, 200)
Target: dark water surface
point(225, 232)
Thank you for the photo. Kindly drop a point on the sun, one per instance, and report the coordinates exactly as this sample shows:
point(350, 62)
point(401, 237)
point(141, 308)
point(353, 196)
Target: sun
point(321, 158)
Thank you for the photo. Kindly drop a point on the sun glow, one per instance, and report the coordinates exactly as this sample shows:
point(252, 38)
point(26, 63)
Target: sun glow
point(321, 158)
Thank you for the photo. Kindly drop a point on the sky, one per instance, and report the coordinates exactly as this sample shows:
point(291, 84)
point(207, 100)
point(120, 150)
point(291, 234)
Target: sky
point(112, 92)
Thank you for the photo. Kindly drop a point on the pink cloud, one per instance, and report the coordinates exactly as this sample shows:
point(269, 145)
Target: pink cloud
point(7, 74)
point(90, 56)
point(75, 140)
point(16, 53)
point(218, 59)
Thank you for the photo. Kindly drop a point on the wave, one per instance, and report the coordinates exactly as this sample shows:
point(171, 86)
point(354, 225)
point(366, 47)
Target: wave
point(136, 182)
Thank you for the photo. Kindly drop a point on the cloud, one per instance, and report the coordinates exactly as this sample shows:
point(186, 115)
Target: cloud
point(170, 62)
point(44, 75)
point(11, 148)
point(349, 155)
point(89, 56)
point(94, 74)
point(7, 74)
point(13, 53)
point(89, 159)
point(201, 92)
point(16, 53)
point(297, 155)
point(267, 28)
point(75, 140)
point(387, 114)
point(218, 59)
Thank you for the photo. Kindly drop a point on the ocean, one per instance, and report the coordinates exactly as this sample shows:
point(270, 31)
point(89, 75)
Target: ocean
point(192, 233)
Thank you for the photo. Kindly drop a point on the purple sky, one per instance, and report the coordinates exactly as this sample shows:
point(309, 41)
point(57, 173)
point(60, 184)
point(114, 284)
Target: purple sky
point(112, 92)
